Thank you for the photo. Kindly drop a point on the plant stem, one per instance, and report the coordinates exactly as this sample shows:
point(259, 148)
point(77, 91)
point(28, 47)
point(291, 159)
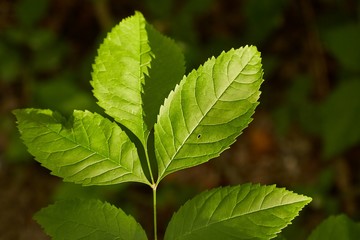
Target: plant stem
point(154, 208)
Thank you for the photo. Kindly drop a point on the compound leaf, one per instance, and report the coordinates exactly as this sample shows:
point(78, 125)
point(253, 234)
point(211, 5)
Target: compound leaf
point(240, 212)
point(119, 74)
point(88, 219)
point(208, 110)
point(86, 148)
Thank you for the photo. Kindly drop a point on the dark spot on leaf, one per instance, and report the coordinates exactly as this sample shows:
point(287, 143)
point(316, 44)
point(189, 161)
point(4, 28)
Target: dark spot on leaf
point(199, 136)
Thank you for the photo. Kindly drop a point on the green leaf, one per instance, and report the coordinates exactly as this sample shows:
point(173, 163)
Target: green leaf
point(167, 69)
point(119, 74)
point(208, 109)
point(240, 212)
point(86, 148)
point(340, 118)
point(136, 68)
point(336, 227)
point(88, 219)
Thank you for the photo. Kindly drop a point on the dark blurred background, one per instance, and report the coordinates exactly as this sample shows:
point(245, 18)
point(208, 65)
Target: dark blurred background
point(305, 134)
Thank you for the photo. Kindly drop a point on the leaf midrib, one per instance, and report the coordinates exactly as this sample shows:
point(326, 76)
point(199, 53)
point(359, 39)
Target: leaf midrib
point(144, 127)
point(240, 215)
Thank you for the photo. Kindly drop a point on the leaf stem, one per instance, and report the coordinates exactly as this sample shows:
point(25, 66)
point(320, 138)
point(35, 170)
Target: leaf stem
point(149, 166)
point(154, 209)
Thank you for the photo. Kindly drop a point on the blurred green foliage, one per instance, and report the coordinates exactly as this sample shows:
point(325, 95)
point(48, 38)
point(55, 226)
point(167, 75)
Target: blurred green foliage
point(340, 114)
point(35, 71)
point(336, 227)
point(311, 56)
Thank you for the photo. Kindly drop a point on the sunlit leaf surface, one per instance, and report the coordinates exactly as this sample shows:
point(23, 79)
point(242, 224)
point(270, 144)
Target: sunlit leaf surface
point(86, 148)
point(240, 212)
point(207, 111)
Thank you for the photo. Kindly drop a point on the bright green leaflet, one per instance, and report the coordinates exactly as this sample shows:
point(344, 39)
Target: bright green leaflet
point(88, 219)
point(208, 109)
point(240, 212)
point(336, 227)
point(134, 71)
point(86, 148)
point(119, 74)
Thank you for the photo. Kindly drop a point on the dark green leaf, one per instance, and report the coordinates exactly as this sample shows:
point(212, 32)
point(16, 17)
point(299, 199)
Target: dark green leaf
point(340, 119)
point(335, 228)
